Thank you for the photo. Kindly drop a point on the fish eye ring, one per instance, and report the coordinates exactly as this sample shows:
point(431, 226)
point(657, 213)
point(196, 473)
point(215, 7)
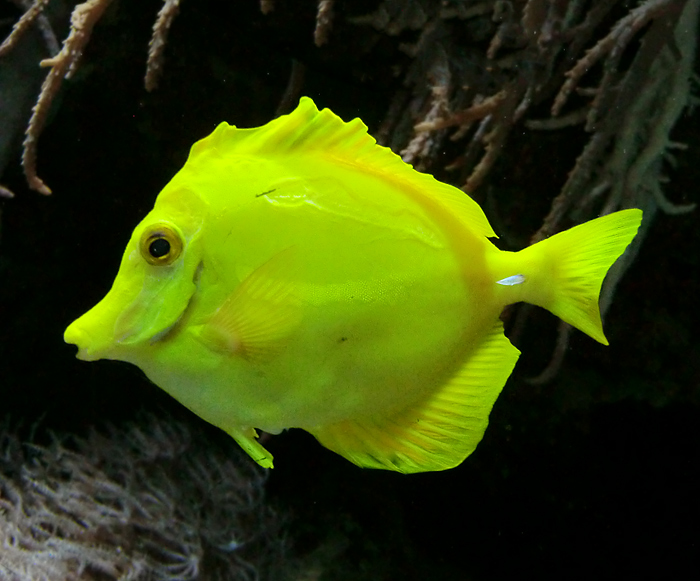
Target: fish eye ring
point(161, 244)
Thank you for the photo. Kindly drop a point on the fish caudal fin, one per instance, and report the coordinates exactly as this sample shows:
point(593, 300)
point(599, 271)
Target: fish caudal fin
point(438, 432)
point(572, 266)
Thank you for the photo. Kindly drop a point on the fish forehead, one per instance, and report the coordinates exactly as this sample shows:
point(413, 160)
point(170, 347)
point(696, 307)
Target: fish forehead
point(180, 202)
point(219, 180)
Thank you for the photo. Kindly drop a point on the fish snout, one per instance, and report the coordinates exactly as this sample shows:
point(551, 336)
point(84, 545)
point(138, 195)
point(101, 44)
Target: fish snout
point(93, 334)
point(77, 335)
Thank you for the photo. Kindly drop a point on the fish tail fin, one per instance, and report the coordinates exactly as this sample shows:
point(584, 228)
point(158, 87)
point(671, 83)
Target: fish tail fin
point(571, 266)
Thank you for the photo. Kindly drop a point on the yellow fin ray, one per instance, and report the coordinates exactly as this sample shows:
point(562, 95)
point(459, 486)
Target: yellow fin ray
point(260, 313)
point(247, 439)
point(579, 259)
point(438, 432)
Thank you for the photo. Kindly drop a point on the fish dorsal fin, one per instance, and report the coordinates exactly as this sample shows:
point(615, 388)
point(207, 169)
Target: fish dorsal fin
point(440, 431)
point(258, 315)
point(308, 131)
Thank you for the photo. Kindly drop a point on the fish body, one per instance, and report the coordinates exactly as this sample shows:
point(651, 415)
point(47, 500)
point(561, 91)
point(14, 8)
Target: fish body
point(300, 275)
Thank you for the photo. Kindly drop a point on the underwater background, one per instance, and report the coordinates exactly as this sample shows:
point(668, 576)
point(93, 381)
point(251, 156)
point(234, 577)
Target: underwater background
point(596, 470)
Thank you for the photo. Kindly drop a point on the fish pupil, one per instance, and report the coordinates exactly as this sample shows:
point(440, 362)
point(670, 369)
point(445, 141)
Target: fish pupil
point(159, 248)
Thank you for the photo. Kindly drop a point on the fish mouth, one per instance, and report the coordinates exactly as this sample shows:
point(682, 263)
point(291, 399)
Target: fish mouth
point(93, 333)
point(89, 348)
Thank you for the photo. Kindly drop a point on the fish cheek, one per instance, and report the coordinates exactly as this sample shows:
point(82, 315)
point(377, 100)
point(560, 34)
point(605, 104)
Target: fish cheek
point(164, 297)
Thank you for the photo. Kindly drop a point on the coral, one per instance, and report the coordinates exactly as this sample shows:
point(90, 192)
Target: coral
point(158, 40)
point(151, 501)
point(484, 95)
point(63, 65)
point(65, 62)
point(33, 14)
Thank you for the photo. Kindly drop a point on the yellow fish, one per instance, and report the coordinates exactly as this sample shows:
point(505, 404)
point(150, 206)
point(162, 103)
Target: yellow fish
point(298, 275)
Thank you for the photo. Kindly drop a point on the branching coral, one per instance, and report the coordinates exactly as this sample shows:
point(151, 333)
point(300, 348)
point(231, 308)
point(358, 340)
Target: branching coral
point(64, 62)
point(153, 501)
point(62, 65)
point(484, 95)
point(160, 36)
point(32, 14)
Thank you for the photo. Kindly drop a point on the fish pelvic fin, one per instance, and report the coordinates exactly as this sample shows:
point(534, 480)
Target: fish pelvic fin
point(569, 268)
point(247, 439)
point(440, 430)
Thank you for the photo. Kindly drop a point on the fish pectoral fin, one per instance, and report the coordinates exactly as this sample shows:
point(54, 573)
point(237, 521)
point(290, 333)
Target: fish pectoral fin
point(439, 431)
point(260, 313)
point(247, 439)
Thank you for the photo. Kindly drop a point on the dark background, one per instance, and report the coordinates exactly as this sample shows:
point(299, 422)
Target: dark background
point(597, 472)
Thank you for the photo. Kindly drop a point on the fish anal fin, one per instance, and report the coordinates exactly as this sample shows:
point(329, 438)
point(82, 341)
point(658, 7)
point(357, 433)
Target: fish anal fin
point(439, 431)
point(254, 321)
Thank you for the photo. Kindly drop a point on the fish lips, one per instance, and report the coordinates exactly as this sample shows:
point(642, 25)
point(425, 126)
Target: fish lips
point(89, 348)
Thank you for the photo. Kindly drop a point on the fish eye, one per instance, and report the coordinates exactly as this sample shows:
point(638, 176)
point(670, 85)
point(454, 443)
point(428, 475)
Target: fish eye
point(161, 245)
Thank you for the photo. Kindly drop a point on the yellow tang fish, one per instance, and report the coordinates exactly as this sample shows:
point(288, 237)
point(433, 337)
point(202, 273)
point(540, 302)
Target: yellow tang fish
point(298, 275)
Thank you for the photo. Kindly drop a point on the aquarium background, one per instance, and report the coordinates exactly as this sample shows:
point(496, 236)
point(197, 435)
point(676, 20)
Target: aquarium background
point(596, 472)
